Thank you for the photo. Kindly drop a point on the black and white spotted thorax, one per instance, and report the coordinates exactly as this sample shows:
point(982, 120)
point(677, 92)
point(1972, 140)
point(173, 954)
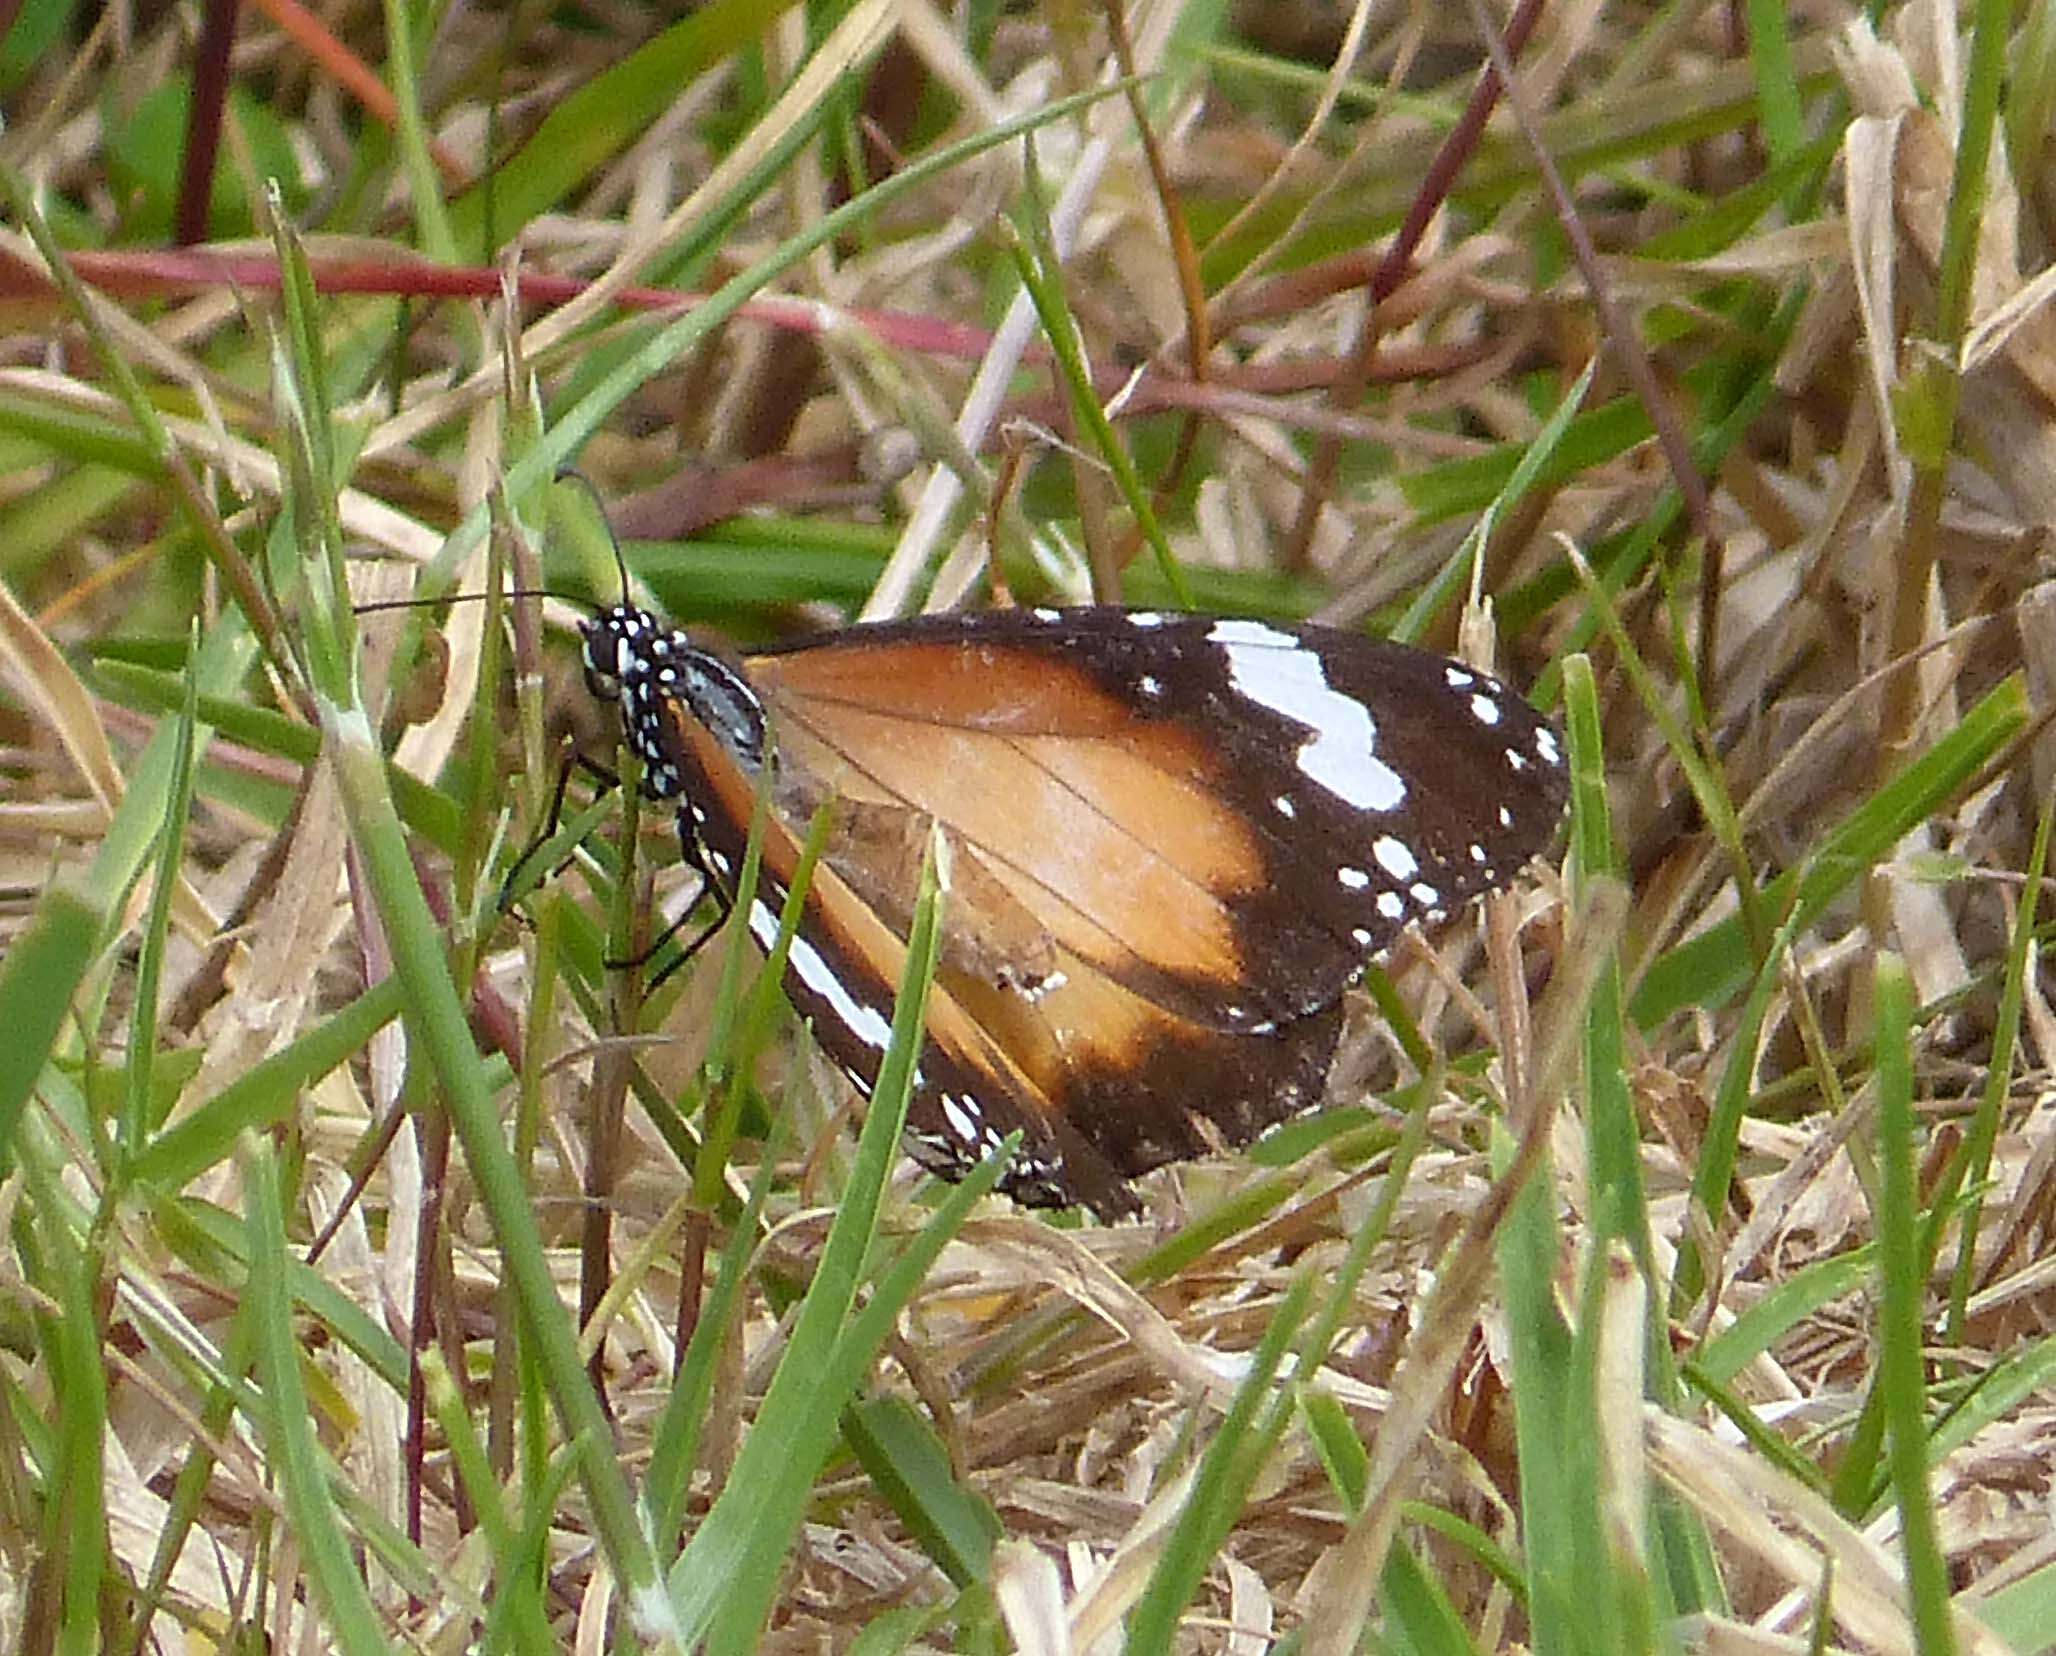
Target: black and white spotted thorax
point(635, 660)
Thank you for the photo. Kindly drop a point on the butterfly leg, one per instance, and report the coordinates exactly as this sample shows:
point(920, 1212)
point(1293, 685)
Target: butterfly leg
point(695, 859)
point(573, 759)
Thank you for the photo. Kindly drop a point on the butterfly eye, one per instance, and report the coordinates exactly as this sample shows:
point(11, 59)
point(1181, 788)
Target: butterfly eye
point(605, 654)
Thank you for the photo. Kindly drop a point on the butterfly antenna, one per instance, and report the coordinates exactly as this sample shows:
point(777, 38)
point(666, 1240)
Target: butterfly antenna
point(571, 474)
point(377, 604)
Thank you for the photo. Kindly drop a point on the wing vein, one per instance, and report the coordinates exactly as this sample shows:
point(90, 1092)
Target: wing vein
point(996, 853)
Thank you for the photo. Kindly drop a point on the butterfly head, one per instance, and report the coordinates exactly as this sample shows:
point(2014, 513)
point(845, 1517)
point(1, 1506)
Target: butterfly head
point(655, 673)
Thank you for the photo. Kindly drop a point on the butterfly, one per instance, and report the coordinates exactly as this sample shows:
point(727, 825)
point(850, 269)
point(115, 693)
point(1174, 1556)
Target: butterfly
point(1176, 839)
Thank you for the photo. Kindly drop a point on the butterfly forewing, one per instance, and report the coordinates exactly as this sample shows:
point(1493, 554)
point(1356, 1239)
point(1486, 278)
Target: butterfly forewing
point(1227, 816)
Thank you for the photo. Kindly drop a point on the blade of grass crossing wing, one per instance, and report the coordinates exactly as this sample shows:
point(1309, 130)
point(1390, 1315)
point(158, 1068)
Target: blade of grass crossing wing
point(849, 1363)
point(723, 1584)
point(742, 1025)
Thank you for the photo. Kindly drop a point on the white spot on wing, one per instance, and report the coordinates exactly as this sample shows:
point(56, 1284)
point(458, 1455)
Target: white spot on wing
point(1425, 894)
point(962, 1122)
point(1395, 857)
point(1545, 744)
point(867, 1023)
point(1391, 905)
point(1353, 879)
point(1484, 709)
point(1458, 678)
point(1275, 670)
point(1286, 808)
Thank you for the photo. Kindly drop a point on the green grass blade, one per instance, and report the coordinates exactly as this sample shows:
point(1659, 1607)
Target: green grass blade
point(908, 1463)
point(73, 1530)
point(267, 1092)
point(288, 1426)
point(1707, 970)
point(39, 974)
point(136, 1112)
point(676, 1446)
point(1241, 1446)
point(724, 1581)
point(1567, 1578)
point(1038, 265)
point(1971, 1167)
point(1902, 1312)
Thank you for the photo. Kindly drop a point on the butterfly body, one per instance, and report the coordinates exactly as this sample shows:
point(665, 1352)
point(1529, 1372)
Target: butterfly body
point(1176, 839)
